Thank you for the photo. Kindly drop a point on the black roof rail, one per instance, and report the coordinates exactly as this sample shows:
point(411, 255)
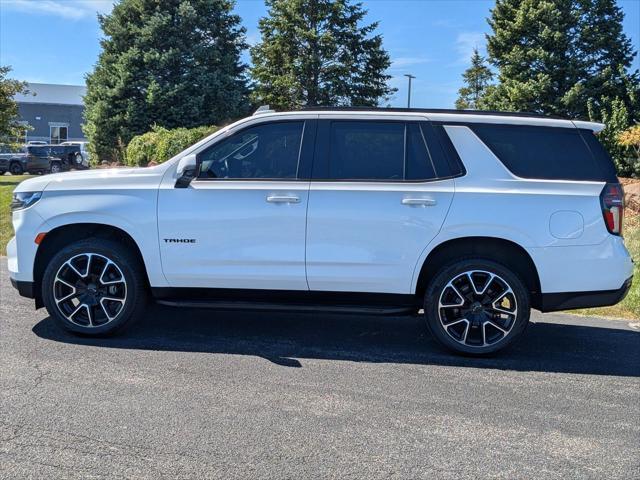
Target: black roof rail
point(436, 110)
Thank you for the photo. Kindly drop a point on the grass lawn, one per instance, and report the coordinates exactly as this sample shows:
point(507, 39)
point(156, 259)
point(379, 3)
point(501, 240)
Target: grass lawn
point(7, 184)
point(629, 308)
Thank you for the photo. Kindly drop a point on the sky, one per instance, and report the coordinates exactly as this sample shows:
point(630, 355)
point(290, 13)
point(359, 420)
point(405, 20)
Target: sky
point(57, 41)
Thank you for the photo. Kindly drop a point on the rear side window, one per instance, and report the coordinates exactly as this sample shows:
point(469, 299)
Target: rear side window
point(367, 150)
point(419, 162)
point(379, 150)
point(546, 152)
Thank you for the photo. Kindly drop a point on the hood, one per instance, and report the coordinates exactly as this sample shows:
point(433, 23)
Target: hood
point(93, 179)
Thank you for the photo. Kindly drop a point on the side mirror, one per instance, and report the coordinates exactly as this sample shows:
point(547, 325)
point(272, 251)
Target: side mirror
point(187, 170)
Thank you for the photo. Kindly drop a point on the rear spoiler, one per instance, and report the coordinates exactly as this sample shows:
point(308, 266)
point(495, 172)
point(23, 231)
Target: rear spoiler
point(593, 126)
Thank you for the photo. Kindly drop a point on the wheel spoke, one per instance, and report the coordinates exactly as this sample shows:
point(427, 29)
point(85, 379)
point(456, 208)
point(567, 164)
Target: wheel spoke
point(111, 299)
point(490, 278)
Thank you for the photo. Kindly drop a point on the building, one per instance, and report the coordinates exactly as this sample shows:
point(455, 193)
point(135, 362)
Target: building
point(54, 112)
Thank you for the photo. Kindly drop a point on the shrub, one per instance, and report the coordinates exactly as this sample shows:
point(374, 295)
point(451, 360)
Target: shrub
point(160, 144)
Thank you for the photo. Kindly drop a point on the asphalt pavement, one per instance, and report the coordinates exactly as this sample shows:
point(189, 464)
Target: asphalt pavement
point(206, 394)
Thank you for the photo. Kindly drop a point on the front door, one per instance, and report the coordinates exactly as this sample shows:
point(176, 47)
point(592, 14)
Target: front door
point(241, 223)
point(378, 196)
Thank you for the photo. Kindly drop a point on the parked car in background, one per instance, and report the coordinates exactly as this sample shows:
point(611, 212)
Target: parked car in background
point(472, 217)
point(41, 159)
point(81, 160)
point(10, 156)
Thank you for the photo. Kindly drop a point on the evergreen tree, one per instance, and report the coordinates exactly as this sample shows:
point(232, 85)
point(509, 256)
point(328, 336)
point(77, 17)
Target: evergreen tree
point(11, 129)
point(554, 56)
point(172, 63)
point(316, 52)
point(476, 78)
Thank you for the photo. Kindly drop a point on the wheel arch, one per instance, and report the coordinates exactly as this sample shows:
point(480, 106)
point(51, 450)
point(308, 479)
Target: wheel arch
point(63, 235)
point(500, 250)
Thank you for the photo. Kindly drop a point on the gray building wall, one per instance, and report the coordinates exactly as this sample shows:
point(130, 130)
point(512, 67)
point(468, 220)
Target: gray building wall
point(41, 116)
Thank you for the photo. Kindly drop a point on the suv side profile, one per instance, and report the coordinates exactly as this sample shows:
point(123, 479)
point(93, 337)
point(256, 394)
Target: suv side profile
point(472, 217)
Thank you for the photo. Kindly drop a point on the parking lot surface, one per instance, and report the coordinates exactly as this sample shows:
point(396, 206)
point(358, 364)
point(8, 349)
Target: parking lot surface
point(206, 394)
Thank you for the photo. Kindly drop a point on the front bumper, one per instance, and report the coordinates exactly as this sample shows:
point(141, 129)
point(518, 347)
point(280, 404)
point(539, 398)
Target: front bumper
point(553, 302)
point(25, 289)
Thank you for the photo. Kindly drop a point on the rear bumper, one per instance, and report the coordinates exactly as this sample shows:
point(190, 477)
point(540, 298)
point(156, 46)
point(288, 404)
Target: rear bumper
point(552, 302)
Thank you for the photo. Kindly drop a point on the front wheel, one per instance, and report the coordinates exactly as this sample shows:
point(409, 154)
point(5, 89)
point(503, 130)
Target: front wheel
point(476, 306)
point(94, 287)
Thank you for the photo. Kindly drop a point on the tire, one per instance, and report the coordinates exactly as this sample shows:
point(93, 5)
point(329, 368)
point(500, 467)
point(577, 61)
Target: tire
point(16, 168)
point(56, 167)
point(78, 160)
point(76, 297)
point(462, 310)
point(2, 172)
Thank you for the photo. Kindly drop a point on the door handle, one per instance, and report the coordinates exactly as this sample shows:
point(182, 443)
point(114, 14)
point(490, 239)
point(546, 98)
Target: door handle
point(427, 202)
point(283, 199)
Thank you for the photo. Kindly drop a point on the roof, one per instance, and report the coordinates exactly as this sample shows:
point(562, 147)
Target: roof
point(53, 94)
point(445, 116)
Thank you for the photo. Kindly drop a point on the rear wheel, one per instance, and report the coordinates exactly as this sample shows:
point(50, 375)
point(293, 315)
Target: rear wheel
point(16, 168)
point(94, 287)
point(476, 306)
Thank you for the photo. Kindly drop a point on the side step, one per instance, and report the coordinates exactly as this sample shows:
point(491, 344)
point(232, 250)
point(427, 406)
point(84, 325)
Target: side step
point(291, 307)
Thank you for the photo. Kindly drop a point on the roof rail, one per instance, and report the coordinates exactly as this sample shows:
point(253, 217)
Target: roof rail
point(263, 109)
point(438, 110)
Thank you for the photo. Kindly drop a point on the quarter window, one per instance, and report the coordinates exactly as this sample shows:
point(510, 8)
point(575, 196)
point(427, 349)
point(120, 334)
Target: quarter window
point(547, 152)
point(267, 151)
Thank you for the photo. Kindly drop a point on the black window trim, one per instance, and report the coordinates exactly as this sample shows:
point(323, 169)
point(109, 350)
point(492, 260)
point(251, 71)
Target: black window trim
point(303, 167)
point(322, 152)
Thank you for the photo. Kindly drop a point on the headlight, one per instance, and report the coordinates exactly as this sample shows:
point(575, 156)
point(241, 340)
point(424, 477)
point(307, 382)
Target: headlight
point(24, 199)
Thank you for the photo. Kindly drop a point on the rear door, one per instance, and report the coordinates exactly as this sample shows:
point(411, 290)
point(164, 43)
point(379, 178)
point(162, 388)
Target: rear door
point(379, 194)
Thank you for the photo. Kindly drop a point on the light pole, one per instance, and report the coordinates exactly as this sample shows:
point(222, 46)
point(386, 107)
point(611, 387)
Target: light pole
point(410, 77)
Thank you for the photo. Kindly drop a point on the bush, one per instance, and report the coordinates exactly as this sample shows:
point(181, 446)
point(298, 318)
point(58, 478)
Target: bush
point(160, 144)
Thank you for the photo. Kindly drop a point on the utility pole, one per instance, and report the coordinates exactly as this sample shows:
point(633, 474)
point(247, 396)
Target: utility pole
point(410, 77)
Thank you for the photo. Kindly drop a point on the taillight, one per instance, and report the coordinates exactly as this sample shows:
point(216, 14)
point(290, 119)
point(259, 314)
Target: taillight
point(612, 201)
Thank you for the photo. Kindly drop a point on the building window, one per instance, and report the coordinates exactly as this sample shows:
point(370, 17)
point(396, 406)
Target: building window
point(58, 134)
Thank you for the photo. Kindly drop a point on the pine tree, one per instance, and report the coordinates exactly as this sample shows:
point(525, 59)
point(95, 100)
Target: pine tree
point(476, 78)
point(11, 129)
point(316, 52)
point(172, 63)
point(555, 56)
point(531, 46)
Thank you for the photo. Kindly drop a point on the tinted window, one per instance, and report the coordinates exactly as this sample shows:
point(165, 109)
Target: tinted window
point(543, 152)
point(445, 156)
point(265, 151)
point(419, 162)
point(600, 154)
point(367, 150)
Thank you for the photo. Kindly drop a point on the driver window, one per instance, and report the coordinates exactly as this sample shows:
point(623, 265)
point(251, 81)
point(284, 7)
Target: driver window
point(265, 151)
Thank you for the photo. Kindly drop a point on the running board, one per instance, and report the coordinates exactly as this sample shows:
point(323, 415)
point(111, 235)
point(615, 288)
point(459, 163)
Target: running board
point(279, 307)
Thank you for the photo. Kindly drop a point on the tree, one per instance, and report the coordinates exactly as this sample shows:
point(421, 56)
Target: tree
point(11, 129)
point(554, 56)
point(316, 52)
point(630, 138)
point(476, 78)
point(170, 63)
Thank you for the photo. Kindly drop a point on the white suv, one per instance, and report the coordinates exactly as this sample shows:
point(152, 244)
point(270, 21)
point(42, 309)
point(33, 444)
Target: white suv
point(473, 217)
